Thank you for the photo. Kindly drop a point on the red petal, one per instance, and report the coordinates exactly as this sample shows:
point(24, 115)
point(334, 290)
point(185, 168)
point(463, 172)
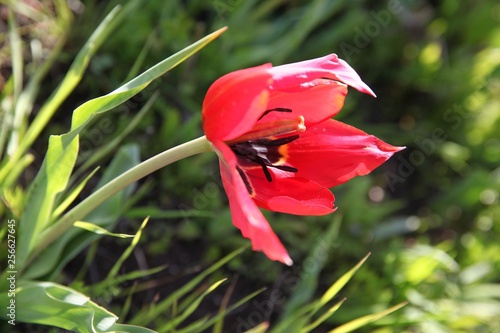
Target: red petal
point(290, 77)
point(246, 215)
point(291, 195)
point(323, 100)
point(235, 102)
point(332, 152)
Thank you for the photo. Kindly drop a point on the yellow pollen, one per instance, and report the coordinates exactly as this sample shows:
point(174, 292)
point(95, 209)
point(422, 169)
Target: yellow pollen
point(272, 128)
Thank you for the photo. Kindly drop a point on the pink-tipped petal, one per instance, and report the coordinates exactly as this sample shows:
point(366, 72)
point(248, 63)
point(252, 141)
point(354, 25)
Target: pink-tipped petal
point(291, 77)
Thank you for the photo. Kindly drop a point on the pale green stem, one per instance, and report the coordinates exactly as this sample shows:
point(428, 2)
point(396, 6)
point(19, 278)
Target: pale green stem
point(141, 170)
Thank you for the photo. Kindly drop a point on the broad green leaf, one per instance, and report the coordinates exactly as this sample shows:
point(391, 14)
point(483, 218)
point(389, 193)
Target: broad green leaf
point(365, 320)
point(53, 259)
point(52, 179)
point(52, 304)
point(68, 200)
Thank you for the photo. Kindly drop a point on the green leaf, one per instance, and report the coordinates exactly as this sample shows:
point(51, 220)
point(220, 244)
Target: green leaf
point(204, 323)
point(52, 304)
point(300, 317)
point(261, 328)
point(116, 267)
point(72, 78)
point(74, 240)
point(60, 157)
point(88, 110)
point(323, 317)
point(190, 309)
point(365, 320)
point(52, 179)
point(98, 230)
point(113, 144)
point(81, 117)
point(158, 309)
point(340, 283)
point(72, 196)
point(309, 277)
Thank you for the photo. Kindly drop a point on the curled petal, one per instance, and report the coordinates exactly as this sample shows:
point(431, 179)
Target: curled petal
point(332, 152)
point(246, 215)
point(292, 77)
point(291, 195)
point(234, 103)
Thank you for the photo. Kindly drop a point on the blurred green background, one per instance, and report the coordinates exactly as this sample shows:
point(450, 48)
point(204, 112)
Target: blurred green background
point(430, 216)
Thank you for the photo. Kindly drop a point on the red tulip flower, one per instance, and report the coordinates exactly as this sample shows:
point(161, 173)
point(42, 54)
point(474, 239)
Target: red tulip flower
point(278, 147)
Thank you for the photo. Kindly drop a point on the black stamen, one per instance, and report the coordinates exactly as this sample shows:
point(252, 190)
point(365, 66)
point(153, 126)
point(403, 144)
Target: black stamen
point(285, 168)
point(275, 109)
point(246, 181)
point(264, 166)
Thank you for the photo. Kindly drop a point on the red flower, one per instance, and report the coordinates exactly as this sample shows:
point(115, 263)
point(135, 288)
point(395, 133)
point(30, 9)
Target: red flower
point(278, 147)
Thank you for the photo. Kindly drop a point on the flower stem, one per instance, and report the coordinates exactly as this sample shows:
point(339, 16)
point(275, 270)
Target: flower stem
point(52, 233)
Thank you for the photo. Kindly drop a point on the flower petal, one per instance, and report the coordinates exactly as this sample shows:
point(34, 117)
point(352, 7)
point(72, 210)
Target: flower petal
point(291, 77)
point(323, 100)
point(332, 152)
point(291, 195)
point(235, 102)
point(246, 215)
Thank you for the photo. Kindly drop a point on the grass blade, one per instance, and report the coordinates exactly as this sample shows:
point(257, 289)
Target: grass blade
point(365, 320)
point(323, 317)
point(190, 309)
point(340, 283)
point(144, 318)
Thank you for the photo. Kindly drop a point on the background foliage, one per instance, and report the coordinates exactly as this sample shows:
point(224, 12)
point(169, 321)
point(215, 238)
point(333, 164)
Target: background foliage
point(430, 216)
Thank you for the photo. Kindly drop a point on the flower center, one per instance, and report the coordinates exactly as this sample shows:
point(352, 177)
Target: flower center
point(265, 145)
